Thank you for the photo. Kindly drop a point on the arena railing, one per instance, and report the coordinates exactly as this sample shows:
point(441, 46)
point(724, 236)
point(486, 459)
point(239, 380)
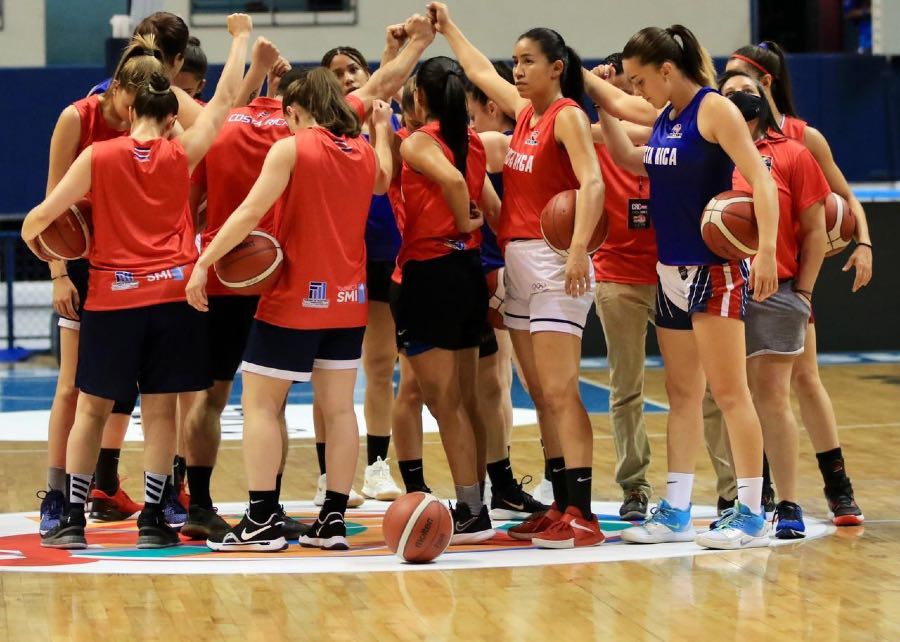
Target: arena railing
point(276, 13)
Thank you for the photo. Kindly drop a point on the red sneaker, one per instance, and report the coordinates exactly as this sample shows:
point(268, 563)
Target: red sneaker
point(183, 498)
point(537, 523)
point(572, 531)
point(112, 508)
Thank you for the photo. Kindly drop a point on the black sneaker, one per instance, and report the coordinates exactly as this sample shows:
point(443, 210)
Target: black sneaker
point(768, 502)
point(154, 532)
point(69, 534)
point(842, 506)
point(202, 523)
point(329, 534)
point(789, 521)
point(259, 537)
point(293, 528)
point(634, 507)
point(514, 502)
point(469, 529)
point(723, 505)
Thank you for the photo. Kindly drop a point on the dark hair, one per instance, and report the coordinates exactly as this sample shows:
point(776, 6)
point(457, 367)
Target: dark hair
point(155, 99)
point(615, 59)
point(555, 48)
point(441, 80)
point(408, 97)
point(195, 62)
point(350, 52)
point(502, 69)
point(139, 61)
point(767, 121)
point(768, 58)
point(295, 73)
point(170, 31)
point(318, 92)
point(655, 45)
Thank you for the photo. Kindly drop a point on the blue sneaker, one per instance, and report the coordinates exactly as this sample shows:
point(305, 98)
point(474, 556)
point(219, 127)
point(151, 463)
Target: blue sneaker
point(52, 506)
point(738, 528)
point(789, 521)
point(666, 524)
point(176, 514)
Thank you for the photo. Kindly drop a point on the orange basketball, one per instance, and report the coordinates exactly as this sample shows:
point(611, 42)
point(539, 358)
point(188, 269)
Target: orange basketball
point(728, 226)
point(69, 237)
point(417, 527)
point(497, 292)
point(253, 265)
point(558, 224)
point(840, 224)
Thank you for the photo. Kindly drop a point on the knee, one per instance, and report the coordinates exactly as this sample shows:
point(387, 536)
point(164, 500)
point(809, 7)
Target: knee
point(379, 365)
point(557, 396)
point(805, 379)
point(730, 398)
point(66, 392)
point(772, 393)
point(682, 394)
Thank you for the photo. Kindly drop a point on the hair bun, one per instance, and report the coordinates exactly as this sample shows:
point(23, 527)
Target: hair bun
point(158, 84)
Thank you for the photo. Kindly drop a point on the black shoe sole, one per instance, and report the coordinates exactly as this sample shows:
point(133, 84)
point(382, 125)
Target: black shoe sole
point(789, 533)
point(633, 516)
point(71, 538)
point(109, 516)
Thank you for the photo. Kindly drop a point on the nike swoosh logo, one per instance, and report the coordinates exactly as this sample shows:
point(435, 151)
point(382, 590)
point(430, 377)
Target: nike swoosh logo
point(669, 483)
point(575, 524)
point(412, 470)
point(247, 535)
point(258, 501)
point(559, 470)
point(461, 526)
point(583, 480)
point(742, 487)
point(515, 506)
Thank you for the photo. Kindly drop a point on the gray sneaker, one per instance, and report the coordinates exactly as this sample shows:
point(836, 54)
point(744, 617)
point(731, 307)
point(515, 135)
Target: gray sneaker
point(634, 507)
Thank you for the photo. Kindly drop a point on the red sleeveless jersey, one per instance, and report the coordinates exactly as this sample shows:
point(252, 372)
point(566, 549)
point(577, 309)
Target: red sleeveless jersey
point(94, 127)
point(233, 164)
point(395, 197)
point(321, 226)
point(629, 253)
point(536, 169)
point(429, 230)
point(793, 127)
point(143, 240)
point(800, 184)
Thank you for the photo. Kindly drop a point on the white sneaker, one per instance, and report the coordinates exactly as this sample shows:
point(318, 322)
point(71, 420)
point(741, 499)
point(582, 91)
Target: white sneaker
point(355, 500)
point(738, 528)
point(543, 492)
point(378, 483)
point(487, 492)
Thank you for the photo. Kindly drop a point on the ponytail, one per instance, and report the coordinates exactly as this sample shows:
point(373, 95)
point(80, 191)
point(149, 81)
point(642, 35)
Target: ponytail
point(318, 92)
point(571, 82)
point(441, 80)
point(768, 58)
point(676, 44)
point(141, 59)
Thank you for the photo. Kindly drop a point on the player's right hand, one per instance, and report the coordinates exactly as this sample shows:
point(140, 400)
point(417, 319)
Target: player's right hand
point(65, 298)
point(239, 24)
point(196, 289)
point(439, 15)
point(265, 53)
point(420, 28)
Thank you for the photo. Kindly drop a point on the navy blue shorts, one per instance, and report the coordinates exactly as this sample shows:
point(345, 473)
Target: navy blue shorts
point(230, 320)
point(291, 354)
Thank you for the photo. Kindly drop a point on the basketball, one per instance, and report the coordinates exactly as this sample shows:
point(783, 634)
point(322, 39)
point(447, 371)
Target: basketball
point(840, 224)
point(417, 527)
point(253, 265)
point(69, 236)
point(497, 292)
point(728, 226)
point(558, 224)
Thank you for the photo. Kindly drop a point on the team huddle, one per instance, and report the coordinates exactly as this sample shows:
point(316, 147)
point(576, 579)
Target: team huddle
point(417, 236)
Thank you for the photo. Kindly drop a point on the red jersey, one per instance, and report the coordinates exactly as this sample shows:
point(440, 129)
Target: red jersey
point(321, 225)
point(430, 230)
point(629, 253)
point(793, 127)
point(143, 248)
point(536, 169)
point(233, 164)
point(800, 183)
point(395, 197)
point(94, 127)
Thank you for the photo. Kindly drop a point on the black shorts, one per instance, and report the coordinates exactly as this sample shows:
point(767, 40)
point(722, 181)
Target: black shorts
point(443, 303)
point(488, 346)
point(230, 318)
point(78, 274)
point(378, 280)
point(291, 354)
point(162, 348)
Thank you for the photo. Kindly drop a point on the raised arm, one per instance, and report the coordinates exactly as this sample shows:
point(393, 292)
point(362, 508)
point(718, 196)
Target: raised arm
point(394, 38)
point(73, 186)
point(613, 100)
point(263, 57)
point(198, 139)
point(382, 138)
point(623, 151)
point(476, 65)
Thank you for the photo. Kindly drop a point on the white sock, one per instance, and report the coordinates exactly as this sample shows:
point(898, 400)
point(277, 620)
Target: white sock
point(154, 483)
point(750, 493)
point(678, 490)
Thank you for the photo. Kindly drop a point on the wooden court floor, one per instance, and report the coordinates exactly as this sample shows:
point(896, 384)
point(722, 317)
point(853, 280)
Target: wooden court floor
point(843, 587)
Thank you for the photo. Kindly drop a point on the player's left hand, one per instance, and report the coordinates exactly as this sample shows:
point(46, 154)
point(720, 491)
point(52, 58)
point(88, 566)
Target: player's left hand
point(196, 289)
point(861, 259)
point(578, 276)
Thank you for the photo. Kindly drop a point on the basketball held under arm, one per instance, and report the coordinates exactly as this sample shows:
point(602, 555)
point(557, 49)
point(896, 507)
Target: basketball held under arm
point(572, 130)
point(73, 186)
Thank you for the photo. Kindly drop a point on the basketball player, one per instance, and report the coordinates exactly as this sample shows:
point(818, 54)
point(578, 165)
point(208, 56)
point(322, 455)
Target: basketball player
point(192, 75)
point(96, 118)
point(547, 296)
point(690, 157)
point(766, 63)
point(136, 326)
point(327, 169)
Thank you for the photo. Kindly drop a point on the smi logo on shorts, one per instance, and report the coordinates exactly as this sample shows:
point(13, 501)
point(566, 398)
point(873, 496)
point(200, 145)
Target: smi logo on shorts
point(175, 274)
point(125, 281)
point(352, 294)
point(318, 295)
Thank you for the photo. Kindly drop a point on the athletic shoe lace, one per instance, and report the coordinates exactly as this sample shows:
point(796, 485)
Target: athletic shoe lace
point(382, 472)
point(660, 513)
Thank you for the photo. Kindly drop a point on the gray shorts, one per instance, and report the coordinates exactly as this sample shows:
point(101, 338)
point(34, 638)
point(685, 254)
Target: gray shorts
point(778, 324)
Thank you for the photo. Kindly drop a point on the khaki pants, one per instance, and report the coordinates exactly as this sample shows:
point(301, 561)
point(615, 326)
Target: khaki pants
point(715, 433)
point(624, 311)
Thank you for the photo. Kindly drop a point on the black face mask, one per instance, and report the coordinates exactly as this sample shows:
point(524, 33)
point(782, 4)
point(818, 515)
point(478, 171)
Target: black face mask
point(749, 104)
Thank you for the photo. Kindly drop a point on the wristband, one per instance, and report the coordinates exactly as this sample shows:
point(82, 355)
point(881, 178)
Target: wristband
point(806, 293)
point(868, 245)
point(58, 276)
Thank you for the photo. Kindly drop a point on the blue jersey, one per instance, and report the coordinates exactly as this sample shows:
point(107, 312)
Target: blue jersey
point(491, 257)
point(382, 235)
point(685, 171)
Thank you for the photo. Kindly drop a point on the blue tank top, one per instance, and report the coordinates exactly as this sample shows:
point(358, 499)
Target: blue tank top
point(382, 235)
point(491, 256)
point(685, 171)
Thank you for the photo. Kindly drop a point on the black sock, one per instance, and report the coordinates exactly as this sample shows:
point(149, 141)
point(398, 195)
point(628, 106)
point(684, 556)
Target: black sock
point(377, 446)
point(335, 502)
point(179, 467)
point(412, 473)
point(501, 475)
point(831, 465)
point(578, 482)
point(106, 478)
point(320, 452)
point(557, 466)
point(547, 473)
point(198, 479)
point(766, 475)
point(278, 488)
point(77, 491)
point(263, 503)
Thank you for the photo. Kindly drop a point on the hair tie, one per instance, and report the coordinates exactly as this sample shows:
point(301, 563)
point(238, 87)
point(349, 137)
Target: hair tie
point(752, 62)
point(159, 92)
point(763, 45)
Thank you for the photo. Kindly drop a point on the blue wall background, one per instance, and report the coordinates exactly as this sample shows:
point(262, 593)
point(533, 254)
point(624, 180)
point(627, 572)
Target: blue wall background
point(853, 100)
